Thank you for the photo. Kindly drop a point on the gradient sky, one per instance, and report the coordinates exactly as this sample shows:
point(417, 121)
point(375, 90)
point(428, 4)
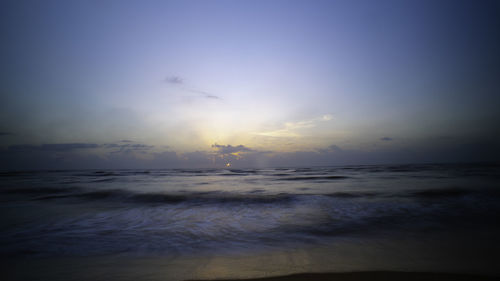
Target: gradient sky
point(252, 83)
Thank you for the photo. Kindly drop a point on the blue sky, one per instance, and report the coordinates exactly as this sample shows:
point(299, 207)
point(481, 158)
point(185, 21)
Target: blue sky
point(379, 81)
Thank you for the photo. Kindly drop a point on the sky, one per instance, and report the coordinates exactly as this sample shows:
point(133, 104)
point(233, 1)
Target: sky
point(188, 84)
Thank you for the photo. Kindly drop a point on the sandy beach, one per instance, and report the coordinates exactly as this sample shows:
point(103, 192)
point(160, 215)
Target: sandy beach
point(373, 276)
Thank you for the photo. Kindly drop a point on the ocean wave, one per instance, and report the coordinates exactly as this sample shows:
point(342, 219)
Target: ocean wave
point(173, 211)
point(312, 178)
point(197, 198)
point(252, 196)
point(180, 228)
point(36, 190)
point(440, 193)
point(107, 179)
point(352, 194)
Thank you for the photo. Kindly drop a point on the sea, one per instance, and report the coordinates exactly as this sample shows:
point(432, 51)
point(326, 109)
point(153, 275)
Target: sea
point(178, 224)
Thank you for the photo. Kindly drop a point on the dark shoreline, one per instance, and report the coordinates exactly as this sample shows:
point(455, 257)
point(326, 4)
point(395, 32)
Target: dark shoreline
point(370, 275)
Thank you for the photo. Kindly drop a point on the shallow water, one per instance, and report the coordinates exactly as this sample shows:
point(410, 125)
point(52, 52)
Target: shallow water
point(253, 222)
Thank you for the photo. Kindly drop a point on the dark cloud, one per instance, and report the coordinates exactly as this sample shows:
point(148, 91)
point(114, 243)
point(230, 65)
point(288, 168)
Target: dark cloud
point(386, 139)
point(55, 147)
point(128, 147)
point(173, 80)
point(68, 147)
point(332, 148)
point(335, 148)
point(6, 134)
point(83, 156)
point(228, 149)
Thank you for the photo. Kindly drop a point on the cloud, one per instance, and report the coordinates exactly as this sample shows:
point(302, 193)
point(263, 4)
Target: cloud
point(54, 147)
point(176, 80)
point(84, 156)
point(6, 134)
point(238, 156)
point(173, 80)
point(332, 148)
point(205, 94)
point(68, 147)
point(137, 155)
point(291, 129)
point(327, 117)
point(127, 147)
point(229, 149)
point(386, 139)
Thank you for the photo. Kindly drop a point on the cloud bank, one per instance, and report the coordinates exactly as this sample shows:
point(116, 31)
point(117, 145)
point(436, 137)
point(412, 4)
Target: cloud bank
point(131, 155)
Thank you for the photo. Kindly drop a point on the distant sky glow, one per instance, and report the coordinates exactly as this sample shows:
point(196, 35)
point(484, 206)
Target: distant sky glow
point(289, 82)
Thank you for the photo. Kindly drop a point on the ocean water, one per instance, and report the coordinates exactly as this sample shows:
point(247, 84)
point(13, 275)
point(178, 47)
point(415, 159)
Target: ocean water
point(224, 223)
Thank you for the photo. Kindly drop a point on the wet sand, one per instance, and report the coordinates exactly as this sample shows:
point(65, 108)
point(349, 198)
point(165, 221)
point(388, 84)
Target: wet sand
point(373, 276)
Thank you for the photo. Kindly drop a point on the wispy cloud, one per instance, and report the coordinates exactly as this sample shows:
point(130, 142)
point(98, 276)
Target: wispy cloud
point(204, 94)
point(386, 139)
point(291, 129)
point(177, 80)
